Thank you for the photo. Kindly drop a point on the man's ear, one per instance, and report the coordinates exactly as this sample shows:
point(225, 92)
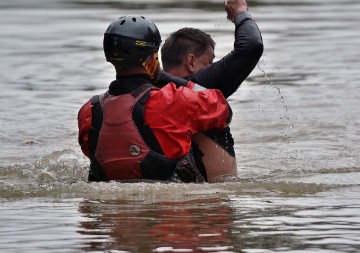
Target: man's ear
point(190, 63)
point(153, 58)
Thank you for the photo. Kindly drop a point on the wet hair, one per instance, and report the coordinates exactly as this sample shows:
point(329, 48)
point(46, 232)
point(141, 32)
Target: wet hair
point(183, 42)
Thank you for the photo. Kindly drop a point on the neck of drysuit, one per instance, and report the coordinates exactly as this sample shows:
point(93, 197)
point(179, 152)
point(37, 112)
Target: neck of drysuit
point(125, 84)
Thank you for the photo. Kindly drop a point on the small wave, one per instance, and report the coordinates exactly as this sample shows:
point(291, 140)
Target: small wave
point(64, 174)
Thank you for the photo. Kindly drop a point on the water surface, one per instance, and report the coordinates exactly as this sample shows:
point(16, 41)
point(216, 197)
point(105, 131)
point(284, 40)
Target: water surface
point(296, 129)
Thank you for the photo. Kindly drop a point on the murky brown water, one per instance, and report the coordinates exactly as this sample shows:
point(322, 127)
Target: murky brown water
point(296, 128)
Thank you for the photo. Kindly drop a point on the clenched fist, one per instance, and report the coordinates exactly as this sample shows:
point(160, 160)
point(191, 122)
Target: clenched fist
point(234, 7)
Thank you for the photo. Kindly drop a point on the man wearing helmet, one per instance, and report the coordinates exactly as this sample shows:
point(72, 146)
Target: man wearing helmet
point(189, 53)
point(136, 131)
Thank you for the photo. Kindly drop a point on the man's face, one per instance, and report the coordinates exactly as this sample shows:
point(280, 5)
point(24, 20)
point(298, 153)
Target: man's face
point(204, 60)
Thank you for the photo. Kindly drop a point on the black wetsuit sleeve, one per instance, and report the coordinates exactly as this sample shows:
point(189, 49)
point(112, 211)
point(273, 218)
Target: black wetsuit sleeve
point(228, 73)
point(165, 78)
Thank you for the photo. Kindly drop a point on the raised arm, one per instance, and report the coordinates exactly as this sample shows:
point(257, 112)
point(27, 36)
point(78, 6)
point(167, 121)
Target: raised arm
point(228, 73)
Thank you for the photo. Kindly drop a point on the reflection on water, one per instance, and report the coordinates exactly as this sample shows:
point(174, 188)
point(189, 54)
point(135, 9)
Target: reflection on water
point(295, 124)
point(193, 226)
point(198, 223)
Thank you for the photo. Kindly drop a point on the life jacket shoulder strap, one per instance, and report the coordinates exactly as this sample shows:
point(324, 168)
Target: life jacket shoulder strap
point(96, 122)
point(142, 88)
point(138, 117)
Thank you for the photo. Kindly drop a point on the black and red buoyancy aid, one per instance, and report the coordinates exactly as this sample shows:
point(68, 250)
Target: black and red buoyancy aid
point(125, 148)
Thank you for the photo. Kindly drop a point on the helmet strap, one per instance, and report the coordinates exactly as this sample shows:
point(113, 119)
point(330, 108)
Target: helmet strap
point(151, 66)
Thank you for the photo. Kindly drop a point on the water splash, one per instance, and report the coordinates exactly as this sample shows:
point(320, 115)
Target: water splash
point(286, 116)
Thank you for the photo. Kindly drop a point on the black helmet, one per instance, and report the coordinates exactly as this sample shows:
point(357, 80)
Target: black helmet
point(131, 40)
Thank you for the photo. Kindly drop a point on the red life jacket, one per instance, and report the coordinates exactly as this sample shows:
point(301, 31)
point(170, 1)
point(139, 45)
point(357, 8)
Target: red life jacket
point(122, 149)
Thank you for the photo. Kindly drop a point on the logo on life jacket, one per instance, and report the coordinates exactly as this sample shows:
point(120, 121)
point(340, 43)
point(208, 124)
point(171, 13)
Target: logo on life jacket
point(134, 150)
